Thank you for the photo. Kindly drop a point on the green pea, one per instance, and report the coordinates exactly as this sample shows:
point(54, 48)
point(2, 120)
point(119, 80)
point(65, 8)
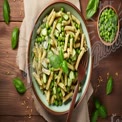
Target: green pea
point(62, 9)
point(14, 38)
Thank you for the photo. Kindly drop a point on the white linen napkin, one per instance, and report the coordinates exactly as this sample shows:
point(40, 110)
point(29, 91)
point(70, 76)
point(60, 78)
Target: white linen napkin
point(32, 8)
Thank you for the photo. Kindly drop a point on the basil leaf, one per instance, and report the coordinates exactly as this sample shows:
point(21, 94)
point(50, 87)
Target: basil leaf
point(91, 8)
point(64, 67)
point(102, 111)
point(109, 86)
point(54, 59)
point(6, 11)
point(19, 85)
point(95, 116)
point(14, 38)
point(97, 103)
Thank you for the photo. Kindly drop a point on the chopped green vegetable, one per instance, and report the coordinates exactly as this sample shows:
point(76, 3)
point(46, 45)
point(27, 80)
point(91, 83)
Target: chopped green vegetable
point(109, 86)
point(6, 11)
point(91, 8)
point(14, 38)
point(71, 75)
point(58, 26)
point(44, 32)
point(19, 85)
point(65, 16)
point(62, 9)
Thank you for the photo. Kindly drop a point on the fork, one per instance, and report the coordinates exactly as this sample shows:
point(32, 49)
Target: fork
point(81, 74)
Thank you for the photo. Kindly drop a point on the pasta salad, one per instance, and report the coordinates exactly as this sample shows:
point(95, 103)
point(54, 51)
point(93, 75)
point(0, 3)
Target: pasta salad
point(58, 49)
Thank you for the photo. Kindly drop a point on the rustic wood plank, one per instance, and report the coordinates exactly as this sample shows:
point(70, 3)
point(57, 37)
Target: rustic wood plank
point(10, 100)
point(17, 10)
point(112, 65)
point(21, 119)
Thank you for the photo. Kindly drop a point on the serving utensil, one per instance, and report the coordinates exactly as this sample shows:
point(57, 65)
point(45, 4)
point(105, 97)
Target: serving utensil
point(81, 75)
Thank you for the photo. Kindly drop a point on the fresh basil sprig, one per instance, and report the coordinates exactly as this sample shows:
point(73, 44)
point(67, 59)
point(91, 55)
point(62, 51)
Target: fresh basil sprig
point(6, 11)
point(100, 111)
point(19, 85)
point(109, 85)
point(91, 8)
point(58, 61)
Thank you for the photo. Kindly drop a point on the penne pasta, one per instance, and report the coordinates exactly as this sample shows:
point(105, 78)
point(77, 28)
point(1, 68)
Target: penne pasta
point(67, 97)
point(79, 58)
point(69, 28)
point(82, 41)
point(37, 78)
point(49, 81)
point(66, 42)
point(75, 19)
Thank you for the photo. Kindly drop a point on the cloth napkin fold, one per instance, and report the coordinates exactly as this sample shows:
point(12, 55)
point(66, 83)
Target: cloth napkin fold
point(32, 8)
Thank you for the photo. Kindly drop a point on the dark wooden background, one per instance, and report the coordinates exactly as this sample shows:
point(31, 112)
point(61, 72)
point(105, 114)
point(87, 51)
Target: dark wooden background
point(17, 108)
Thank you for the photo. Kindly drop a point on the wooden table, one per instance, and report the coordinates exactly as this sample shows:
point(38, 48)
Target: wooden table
point(20, 108)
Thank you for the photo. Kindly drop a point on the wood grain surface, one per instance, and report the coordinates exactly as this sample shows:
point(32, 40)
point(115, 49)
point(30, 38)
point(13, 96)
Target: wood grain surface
point(20, 108)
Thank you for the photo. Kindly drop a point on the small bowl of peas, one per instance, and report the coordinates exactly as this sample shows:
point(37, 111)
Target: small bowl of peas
point(108, 25)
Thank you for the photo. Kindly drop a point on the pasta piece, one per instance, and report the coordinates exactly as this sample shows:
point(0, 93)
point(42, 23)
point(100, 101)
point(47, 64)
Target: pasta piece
point(52, 99)
point(65, 78)
point(39, 60)
point(82, 41)
point(70, 33)
point(43, 55)
point(48, 96)
point(37, 78)
point(75, 19)
point(62, 86)
point(70, 66)
point(59, 14)
point(66, 55)
point(49, 81)
point(59, 75)
point(46, 71)
point(79, 58)
point(66, 42)
point(38, 30)
point(68, 51)
point(77, 34)
point(54, 51)
point(54, 26)
point(63, 92)
point(54, 40)
point(71, 45)
point(77, 45)
point(67, 97)
point(52, 18)
point(34, 63)
point(66, 22)
point(69, 28)
point(49, 17)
